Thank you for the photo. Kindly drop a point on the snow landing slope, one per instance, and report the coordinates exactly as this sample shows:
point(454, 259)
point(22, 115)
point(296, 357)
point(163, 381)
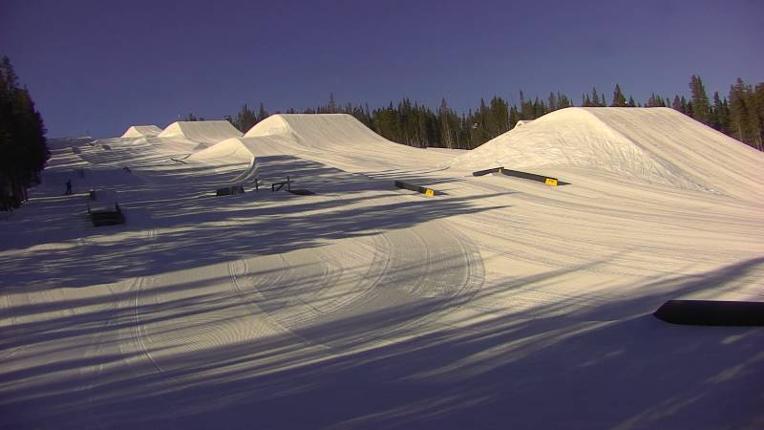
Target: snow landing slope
point(653, 145)
point(339, 140)
point(138, 131)
point(200, 131)
point(231, 150)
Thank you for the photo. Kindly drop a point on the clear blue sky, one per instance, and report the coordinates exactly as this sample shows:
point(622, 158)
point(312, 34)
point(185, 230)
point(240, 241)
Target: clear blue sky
point(100, 66)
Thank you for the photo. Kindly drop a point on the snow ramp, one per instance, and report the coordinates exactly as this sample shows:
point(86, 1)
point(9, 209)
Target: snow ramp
point(231, 150)
point(138, 131)
point(654, 145)
point(200, 131)
point(318, 129)
point(336, 139)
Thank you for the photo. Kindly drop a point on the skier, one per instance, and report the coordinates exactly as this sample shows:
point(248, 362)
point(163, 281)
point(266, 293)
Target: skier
point(68, 187)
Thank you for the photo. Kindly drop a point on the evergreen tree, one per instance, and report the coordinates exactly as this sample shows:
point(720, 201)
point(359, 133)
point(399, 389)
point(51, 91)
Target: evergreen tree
point(23, 147)
point(700, 107)
point(332, 104)
point(758, 101)
point(262, 113)
point(526, 107)
point(514, 116)
point(553, 102)
point(563, 101)
point(596, 98)
point(745, 123)
point(447, 136)
point(720, 114)
point(245, 119)
point(498, 117)
point(539, 108)
point(655, 101)
point(618, 98)
point(677, 104)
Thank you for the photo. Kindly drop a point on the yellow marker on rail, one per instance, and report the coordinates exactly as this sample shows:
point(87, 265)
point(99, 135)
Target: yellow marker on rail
point(429, 192)
point(551, 182)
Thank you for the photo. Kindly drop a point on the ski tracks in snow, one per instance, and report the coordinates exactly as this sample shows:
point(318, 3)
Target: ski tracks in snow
point(336, 296)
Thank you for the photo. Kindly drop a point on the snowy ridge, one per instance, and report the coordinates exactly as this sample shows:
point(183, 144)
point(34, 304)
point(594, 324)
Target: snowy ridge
point(137, 131)
point(318, 130)
point(653, 145)
point(339, 139)
point(230, 150)
point(200, 131)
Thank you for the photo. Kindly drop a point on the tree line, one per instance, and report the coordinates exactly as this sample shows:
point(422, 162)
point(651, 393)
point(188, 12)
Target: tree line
point(739, 114)
point(23, 147)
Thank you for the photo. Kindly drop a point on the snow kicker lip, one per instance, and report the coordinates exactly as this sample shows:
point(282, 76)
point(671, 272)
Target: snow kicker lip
point(712, 312)
point(201, 131)
point(137, 131)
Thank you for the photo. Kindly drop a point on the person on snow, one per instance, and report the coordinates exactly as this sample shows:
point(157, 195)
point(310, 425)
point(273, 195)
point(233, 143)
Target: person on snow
point(68, 187)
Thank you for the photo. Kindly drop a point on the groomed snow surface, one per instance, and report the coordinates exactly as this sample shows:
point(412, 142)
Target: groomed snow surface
point(499, 303)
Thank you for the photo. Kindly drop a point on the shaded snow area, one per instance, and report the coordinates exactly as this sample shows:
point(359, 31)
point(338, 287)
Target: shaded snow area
point(499, 303)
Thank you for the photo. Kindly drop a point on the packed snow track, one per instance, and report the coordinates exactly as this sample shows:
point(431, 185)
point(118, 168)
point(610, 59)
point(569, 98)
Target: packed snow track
point(497, 303)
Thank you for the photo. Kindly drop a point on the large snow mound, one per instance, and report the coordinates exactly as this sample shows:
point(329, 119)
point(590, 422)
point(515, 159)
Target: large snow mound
point(201, 131)
point(319, 130)
point(656, 145)
point(231, 150)
point(337, 139)
point(138, 131)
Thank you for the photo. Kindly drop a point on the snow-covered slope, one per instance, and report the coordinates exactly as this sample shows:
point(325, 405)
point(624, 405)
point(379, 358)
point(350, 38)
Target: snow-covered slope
point(318, 130)
point(200, 131)
point(653, 145)
point(339, 139)
point(498, 303)
point(231, 150)
point(137, 131)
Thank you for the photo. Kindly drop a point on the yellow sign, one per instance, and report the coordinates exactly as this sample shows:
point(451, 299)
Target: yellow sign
point(429, 192)
point(551, 182)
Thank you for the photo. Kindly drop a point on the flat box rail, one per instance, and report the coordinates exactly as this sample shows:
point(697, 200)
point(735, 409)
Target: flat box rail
point(553, 182)
point(487, 171)
point(712, 312)
point(429, 192)
point(230, 190)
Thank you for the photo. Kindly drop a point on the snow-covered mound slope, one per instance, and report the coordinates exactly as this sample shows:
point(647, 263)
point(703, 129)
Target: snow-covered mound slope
point(319, 129)
point(483, 307)
point(231, 150)
point(336, 139)
point(655, 145)
point(137, 131)
point(200, 131)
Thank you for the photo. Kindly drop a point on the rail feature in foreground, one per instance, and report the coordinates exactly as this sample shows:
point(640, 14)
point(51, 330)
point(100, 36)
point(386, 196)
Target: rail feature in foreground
point(276, 186)
point(230, 190)
point(429, 192)
point(547, 180)
point(103, 208)
point(301, 192)
point(712, 312)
